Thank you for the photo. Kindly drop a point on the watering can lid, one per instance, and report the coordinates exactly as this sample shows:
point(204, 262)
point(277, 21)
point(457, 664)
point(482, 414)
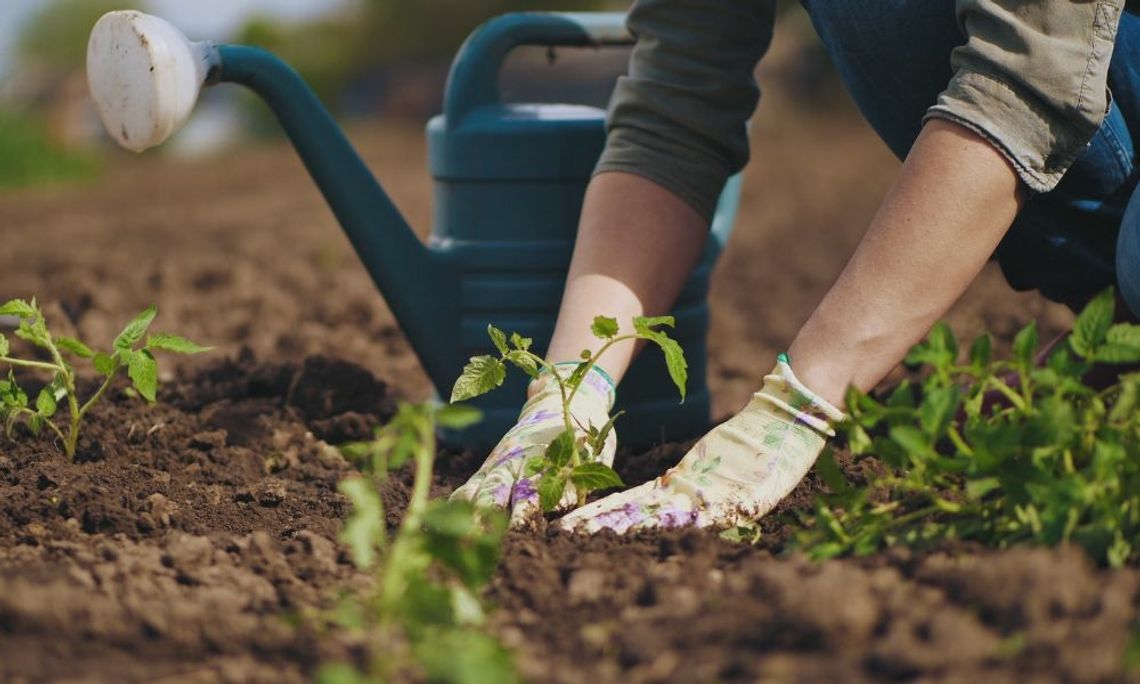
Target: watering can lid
point(517, 141)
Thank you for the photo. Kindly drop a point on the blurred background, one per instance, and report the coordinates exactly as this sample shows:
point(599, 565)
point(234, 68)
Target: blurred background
point(364, 58)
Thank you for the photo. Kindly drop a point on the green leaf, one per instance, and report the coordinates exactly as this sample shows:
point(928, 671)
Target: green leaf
point(830, 473)
point(363, 530)
point(592, 476)
point(912, 440)
point(74, 346)
point(4, 348)
point(981, 352)
point(939, 349)
point(560, 450)
point(644, 324)
point(604, 327)
point(464, 656)
point(174, 343)
point(465, 543)
point(1116, 353)
point(597, 438)
point(457, 416)
point(1091, 326)
point(524, 361)
point(937, 409)
point(143, 371)
point(534, 466)
point(481, 375)
point(36, 423)
point(976, 489)
point(550, 489)
point(1124, 333)
point(135, 330)
point(498, 338)
point(104, 364)
point(11, 395)
point(521, 343)
point(674, 355)
point(1025, 346)
point(340, 673)
point(19, 308)
point(45, 403)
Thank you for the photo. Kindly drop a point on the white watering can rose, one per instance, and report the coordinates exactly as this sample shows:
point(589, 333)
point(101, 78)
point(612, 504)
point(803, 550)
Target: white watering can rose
point(144, 76)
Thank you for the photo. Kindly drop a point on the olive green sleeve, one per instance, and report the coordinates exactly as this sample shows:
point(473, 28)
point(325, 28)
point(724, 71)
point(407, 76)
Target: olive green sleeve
point(679, 118)
point(1032, 79)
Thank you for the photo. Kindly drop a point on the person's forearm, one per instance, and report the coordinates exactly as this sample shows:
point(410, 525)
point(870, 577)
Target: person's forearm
point(636, 245)
point(954, 199)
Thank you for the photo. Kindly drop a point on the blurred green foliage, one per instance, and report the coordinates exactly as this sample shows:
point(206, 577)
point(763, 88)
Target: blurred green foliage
point(27, 156)
point(56, 36)
point(333, 52)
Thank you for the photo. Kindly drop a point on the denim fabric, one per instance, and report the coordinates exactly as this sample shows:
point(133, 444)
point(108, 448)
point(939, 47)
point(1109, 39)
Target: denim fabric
point(894, 57)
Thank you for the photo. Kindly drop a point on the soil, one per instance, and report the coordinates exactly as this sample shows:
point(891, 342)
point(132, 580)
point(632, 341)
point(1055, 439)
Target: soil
point(190, 538)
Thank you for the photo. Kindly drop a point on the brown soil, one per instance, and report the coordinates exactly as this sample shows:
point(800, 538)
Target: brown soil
point(190, 538)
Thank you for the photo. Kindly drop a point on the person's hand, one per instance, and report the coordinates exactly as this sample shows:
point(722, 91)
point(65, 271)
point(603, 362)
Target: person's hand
point(500, 481)
point(736, 473)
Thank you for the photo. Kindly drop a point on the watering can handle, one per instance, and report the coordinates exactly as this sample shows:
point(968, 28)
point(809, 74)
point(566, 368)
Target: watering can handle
point(474, 78)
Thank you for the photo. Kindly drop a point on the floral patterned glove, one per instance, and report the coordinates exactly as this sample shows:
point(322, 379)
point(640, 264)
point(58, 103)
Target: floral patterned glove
point(500, 483)
point(736, 473)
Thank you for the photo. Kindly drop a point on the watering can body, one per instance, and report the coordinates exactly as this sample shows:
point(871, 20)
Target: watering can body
point(509, 180)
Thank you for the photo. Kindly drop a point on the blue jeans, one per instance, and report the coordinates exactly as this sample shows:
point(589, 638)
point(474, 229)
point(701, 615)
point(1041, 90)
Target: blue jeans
point(1070, 243)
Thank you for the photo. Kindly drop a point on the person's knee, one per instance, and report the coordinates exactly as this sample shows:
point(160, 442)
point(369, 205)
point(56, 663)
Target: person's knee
point(1128, 256)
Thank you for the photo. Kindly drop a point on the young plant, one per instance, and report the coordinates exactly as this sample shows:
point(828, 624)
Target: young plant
point(569, 459)
point(129, 351)
point(424, 615)
point(996, 452)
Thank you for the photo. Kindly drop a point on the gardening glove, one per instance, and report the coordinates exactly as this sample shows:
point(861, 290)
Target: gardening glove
point(500, 481)
point(736, 473)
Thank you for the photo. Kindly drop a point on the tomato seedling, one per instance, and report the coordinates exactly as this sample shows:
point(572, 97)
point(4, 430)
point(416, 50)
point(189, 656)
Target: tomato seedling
point(129, 351)
point(424, 614)
point(996, 452)
point(572, 458)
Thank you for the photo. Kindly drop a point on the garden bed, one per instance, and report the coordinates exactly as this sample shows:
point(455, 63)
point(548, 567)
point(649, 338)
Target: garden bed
point(191, 538)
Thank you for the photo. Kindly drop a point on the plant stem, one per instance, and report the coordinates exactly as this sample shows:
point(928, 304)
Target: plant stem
point(401, 551)
point(42, 365)
point(72, 402)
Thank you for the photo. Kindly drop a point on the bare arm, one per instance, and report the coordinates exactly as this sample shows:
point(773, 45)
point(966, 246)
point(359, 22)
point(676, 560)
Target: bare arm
point(637, 243)
point(954, 199)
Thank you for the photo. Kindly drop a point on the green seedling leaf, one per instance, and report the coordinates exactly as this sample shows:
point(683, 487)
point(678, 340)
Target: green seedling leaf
point(674, 355)
point(457, 416)
point(591, 476)
point(36, 423)
point(604, 327)
point(134, 331)
point(481, 375)
point(1025, 346)
point(340, 673)
point(465, 543)
point(34, 330)
point(143, 372)
point(498, 338)
point(1091, 326)
point(830, 473)
point(364, 528)
point(560, 450)
point(937, 409)
point(174, 343)
point(534, 466)
point(19, 308)
point(550, 490)
point(643, 324)
point(597, 436)
point(981, 352)
point(524, 361)
point(4, 348)
point(939, 350)
point(45, 403)
point(464, 656)
point(105, 365)
point(521, 343)
point(74, 346)
point(1117, 353)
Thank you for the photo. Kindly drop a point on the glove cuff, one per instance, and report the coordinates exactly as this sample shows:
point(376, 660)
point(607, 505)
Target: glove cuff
point(784, 390)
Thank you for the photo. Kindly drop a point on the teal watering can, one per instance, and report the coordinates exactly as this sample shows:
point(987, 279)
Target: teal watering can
point(508, 178)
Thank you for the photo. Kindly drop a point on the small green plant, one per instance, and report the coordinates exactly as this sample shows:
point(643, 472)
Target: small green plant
point(996, 452)
point(569, 460)
point(424, 614)
point(129, 351)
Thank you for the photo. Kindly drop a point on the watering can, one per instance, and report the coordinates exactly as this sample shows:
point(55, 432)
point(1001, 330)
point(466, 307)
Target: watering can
point(508, 186)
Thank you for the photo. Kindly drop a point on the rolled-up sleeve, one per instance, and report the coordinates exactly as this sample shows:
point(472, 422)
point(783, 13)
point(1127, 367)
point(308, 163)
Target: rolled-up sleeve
point(1032, 79)
point(679, 117)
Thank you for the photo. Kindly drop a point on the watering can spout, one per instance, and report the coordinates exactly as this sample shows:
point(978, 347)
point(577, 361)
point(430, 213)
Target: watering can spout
point(145, 77)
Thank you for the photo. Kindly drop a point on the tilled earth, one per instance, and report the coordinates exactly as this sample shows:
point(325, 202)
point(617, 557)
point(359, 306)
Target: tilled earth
point(190, 538)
